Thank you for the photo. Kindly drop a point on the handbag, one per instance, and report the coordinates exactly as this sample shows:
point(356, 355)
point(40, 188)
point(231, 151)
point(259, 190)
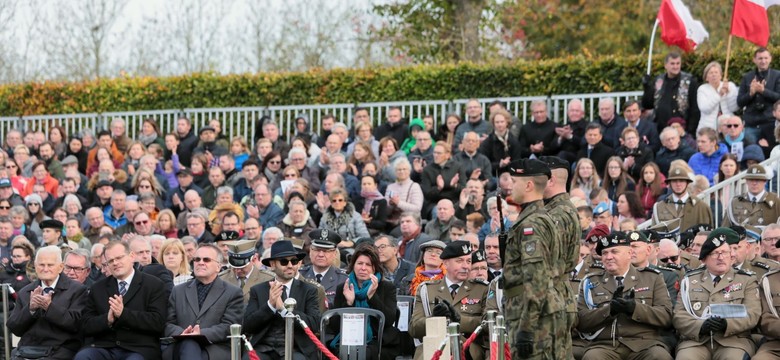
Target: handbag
point(32, 352)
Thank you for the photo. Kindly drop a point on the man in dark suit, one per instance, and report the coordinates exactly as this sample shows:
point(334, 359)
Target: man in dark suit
point(196, 227)
point(264, 316)
point(204, 308)
point(322, 253)
point(758, 92)
point(48, 311)
point(126, 311)
point(595, 148)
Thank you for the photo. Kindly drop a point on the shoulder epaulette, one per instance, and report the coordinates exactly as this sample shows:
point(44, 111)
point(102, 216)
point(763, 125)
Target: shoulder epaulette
point(341, 271)
point(649, 269)
point(694, 271)
point(268, 272)
point(772, 272)
point(664, 268)
point(746, 272)
point(432, 282)
point(594, 274)
point(304, 268)
point(761, 265)
point(481, 281)
point(597, 266)
point(671, 266)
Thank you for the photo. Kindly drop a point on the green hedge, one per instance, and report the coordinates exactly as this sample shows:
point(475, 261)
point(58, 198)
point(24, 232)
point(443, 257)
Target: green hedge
point(575, 74)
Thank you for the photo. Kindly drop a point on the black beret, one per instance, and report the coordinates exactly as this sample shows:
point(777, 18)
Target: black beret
point(324, 238)
point(616, 238)
point(478, 256)
point(227, 235)
point(456, 249)
point(637, 236)
point(51, 224)
point(554, 162)
point(528, 167)
point(740, 231)
point(717, 238)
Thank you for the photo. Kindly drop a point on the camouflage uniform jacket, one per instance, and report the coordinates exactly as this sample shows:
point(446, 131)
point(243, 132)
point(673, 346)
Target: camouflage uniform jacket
point(566, 252)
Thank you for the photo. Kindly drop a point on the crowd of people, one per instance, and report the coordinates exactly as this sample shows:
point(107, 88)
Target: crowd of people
point(149, 245)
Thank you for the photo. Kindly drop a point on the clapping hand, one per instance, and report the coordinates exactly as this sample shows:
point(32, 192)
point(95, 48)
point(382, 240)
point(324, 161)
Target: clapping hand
point(349, 292)
point(373, 287)
point(191, 330)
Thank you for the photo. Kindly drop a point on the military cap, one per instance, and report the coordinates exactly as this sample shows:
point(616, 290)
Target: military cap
point(51, 224)
point(206, 128)
point(528, 167)
point(456, 249)
point(433, 243)
point(717, 238)
point(695, 229)
point(227, 235)
point(282, 249)
point(184, 172)
point(757, 172)
point(753, 233)
point(669, 229)
point(70, 159)
point(5, 183)
point(616, 238)
point(240, 252)
point(554, 162)
point(601, 208)
point(633, 236)
point(324, 238)
point(478, 256)
point(579, 203)
point(678, 173)
point(740, 231)
point(598, 233)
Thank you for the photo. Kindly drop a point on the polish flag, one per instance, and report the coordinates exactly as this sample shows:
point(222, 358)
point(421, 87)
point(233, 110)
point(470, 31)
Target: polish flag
point(678, 27)
point(750, 21)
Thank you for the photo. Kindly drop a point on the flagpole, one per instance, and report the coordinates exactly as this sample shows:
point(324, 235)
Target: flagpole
point(650, 52)
point(728, 57)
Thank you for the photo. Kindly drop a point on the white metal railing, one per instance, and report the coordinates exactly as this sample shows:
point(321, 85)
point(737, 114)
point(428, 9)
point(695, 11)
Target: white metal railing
point(242, 121)
point(719, 196)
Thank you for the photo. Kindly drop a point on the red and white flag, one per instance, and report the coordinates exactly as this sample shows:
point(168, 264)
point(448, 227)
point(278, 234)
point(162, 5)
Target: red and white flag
point(750, 21)
point(678, 27)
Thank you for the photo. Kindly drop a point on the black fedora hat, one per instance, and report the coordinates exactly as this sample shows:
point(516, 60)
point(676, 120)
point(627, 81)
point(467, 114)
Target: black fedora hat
point(282, 249)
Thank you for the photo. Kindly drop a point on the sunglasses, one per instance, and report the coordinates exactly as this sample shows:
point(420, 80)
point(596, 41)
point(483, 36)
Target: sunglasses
point(284, 262)
point(33, 204)
point(290, 175)
point(202, 259)
point(337, 200)
point(275, 162)
point(142, 222)
point(671, 258)
point(4, 207)
point(732, 126)
point(11, 166)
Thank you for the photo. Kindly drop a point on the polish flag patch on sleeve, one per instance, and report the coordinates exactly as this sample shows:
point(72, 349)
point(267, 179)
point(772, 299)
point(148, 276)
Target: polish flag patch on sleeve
point(528, 231)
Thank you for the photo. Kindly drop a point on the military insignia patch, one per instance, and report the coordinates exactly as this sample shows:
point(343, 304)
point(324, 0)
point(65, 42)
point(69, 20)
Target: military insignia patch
point(604, 242)
point(634, 236)
point(697, 306)
point(465, 249)
point(530, 247)
point(324, 234)
point(528, 231)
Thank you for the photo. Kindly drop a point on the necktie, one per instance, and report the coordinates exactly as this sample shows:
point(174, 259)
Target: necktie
point(716, 280)
point(590, 149)
point(319, 278)
point(48, 290)
point(242, 282)
point(619, 280)
point(284, 293)
point(454, 290)
point(497, 273)
point(122, 288)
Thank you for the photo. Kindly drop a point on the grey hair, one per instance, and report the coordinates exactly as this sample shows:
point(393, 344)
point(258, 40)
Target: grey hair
point(339, 125)
point(274, 230)
point(117, 120)
point(19, 210)
point(220, 257)
point(225, 190)
point(668, 243)
point(51, 249)
point(84, 253)
point(414, 215)
point(400, 161)
point(97, 249)
point(492, 201)
point(294, 151)
point(70, 198)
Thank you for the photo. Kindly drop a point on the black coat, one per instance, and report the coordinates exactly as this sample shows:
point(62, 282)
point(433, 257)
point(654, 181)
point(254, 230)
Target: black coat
point(495, 151)
point(642, 155)
point(664, 157)
point(259, 318)
point(142, 321)
point(378, 214)
point(399, 131)
point(185, 149)
point(532, 133)
point(758, 108)
point(600, 154)
point(448, 171)
point(383, 300)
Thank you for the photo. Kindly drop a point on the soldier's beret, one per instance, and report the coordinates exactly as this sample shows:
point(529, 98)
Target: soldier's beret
point(717, 238)
point(456, 249)
point(528, 167)
point(757, 172)
point(616, 238)
point(240, 252)
point(598, 233)
point(601, 208)
point(695, 229)
point(51, 224)
point(633, 236)
point(554, 162)
point(324, 238)
point(478, 256)
point(740, 231)
point(227, 235)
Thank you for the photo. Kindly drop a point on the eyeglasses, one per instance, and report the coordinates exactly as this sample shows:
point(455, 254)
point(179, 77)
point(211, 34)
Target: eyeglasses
point(69, 268)
point(337, 200)
point(667, 259)
point(720, 254)
point(732, 126)
point(384, 246)
point(114, 260)
point(11, 166)
point(33, 204)
point(290, 175)
point(766, 240)
point(144, 186)
point(274, 161)
point(205, 260)
point(284, 262)
point(433, 251)
point(142, 222)
point(4, 207)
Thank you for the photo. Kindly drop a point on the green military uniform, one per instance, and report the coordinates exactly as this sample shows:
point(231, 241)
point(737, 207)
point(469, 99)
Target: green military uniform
point(495, 297)
point(689, 262)
point(754, 209)
point(565, 216)
point(691, 211)
point(671, 279)
point(760, 266)
point(469, 302)
point(769, 323)
point(240, 255)
point(257, 276)
point(635, 336)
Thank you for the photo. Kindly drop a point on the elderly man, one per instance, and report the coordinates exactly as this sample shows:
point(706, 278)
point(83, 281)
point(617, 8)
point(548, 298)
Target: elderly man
point(186, 183)
point(474, 122)
point(332, 147)
point(439, 228)
point(208, 144)
point(717, 282)
point(605, 301)
point(769, 238)
point(241, 272)
point(743, 255)
point(672, 94)
point(611, 123)
point(338, 164)
point(322, 254)
point(196, 227)
point(115, 213)
point(571, 136)
point(473, 164)
point(252, 230)
point(265, 210)
point(441, 298)
point(441, 180)
point(78, 267)
point(271, 132)
point(48, 311)
point(538, 137)
point(492, 256)
point(142, 224)
point(192, 200)
point(672, 149)
point(757, 207)
point(203, 308)
point(411, 237)
point(132, 208)
point(119, 134)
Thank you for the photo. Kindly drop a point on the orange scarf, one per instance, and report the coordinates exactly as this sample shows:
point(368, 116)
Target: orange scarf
point(419, 277)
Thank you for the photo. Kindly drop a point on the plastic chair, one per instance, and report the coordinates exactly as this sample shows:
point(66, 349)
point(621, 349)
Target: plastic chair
point(354, 352)
point(407, 343)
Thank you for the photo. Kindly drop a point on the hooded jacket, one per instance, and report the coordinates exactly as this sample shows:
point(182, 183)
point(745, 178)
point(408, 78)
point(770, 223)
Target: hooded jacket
point(411, 141)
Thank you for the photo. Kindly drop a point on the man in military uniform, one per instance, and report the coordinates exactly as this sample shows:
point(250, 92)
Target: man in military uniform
point(242, 272)
point(298, 244)
point(623, 309)
point(454, 297)
point(558, 204)
point(680, 204)
point(591, 264)
point(757, 207)
point(643, 256)
point(744, 255)
point(322, 254)
point(704, 335)
point(535, 311)
point(769, 324)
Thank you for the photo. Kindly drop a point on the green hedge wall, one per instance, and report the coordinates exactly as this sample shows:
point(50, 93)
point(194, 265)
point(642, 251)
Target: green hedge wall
point(574, 74)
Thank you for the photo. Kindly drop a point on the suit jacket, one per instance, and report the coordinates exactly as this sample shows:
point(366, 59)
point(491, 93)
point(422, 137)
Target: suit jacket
point(259, 318)
point(600, 154)
point(257, 276)
point(57, 326)
point(160, 272)
point(223, 307)
point(141, 324)
point(332, 281)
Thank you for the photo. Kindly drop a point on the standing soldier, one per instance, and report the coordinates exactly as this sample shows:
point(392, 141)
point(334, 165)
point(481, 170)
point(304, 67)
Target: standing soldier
point(757, 207)
point(558, 204)
point(624, 309)
point(770, 320)
point(702, 334)
point(680, 204)
point(535, 311)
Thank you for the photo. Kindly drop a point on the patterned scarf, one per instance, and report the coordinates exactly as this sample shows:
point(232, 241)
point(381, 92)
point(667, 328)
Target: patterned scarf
point(421, 275)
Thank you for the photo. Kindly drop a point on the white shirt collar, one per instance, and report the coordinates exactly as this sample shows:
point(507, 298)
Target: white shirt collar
point(53, 283)
point(449, 283)
point(757, 197)
point(128, 280)
point(684, 198)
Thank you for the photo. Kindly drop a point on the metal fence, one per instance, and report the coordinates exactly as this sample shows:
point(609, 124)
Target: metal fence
point(243, 121)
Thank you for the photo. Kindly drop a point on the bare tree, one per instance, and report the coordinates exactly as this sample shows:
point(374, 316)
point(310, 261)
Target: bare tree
point(196, 32)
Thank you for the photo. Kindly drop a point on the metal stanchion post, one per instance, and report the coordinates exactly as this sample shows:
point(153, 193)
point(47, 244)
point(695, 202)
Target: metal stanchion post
point(490, 322)
point(453, 331)
point(235, 342)
point(500, 336)
point(6, 333)
point(289, 327)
